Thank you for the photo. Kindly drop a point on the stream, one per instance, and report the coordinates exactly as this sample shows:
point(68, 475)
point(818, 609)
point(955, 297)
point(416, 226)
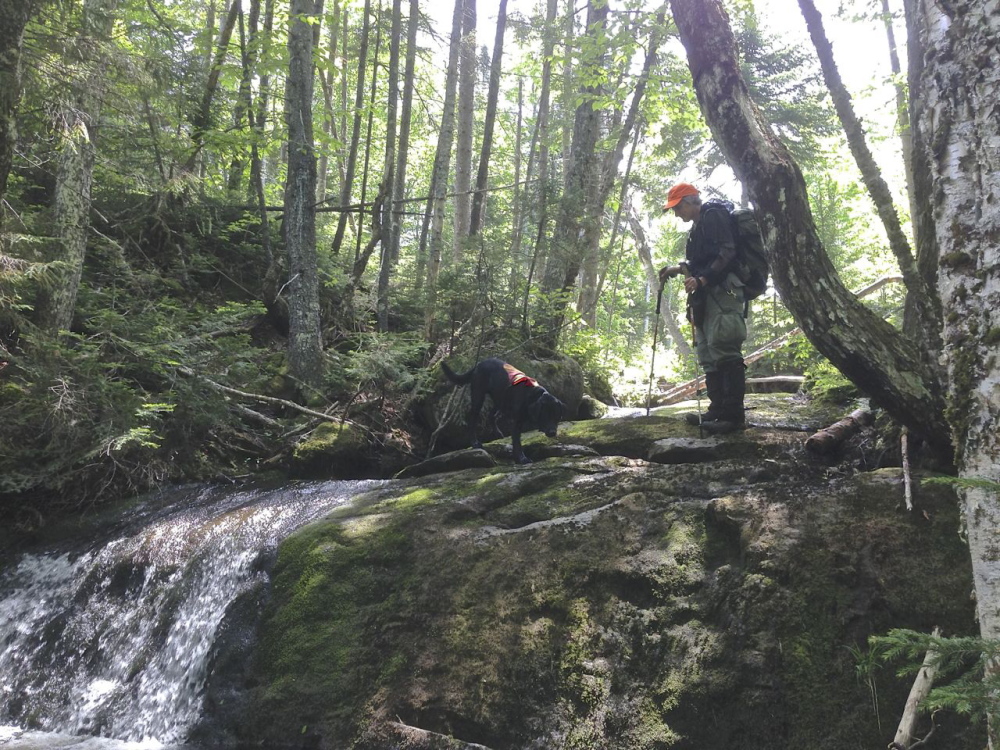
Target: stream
point(109, 643)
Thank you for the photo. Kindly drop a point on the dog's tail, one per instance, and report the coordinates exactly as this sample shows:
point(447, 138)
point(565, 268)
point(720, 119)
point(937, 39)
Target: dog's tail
point(463, 379)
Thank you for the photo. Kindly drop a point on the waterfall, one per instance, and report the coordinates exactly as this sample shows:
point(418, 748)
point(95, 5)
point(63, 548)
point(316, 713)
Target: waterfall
point(115, 639)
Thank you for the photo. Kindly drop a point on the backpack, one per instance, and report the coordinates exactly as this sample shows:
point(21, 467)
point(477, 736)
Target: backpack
point(751, 259)
point(750, 264)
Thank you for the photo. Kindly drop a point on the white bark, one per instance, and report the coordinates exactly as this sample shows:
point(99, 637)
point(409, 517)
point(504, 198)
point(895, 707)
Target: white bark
point(956, 122)
point(922, 684)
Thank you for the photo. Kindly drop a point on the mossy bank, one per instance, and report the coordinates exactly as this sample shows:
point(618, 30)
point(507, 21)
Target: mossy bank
point(609, 602)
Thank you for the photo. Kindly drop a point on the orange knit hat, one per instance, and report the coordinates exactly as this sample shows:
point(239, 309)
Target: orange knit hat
point(678, 191)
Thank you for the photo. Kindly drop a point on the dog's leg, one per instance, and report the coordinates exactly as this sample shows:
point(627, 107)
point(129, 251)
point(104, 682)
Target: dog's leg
point(477, 397)
point(515, 444)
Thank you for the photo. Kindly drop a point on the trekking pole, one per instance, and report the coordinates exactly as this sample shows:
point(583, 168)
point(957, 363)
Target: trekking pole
point(652, 360)
point(697, 395)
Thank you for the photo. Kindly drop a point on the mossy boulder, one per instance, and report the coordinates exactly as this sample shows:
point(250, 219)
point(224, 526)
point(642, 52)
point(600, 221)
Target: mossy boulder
point(591, 408)
point(562, 377)
point(333, 449)
point(610, 602)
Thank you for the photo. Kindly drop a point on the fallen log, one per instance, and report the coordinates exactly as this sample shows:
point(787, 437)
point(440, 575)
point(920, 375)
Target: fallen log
point(775, 384)
point(830, 438)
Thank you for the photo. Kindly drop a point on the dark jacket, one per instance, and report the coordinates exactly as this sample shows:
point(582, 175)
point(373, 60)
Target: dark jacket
point(711, 247)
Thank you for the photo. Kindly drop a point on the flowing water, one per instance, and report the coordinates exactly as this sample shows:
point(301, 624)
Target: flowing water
point(114, 639)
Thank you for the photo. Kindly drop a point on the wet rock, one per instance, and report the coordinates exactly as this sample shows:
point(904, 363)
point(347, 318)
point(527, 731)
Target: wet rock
point(471, 458)
point(686, 450)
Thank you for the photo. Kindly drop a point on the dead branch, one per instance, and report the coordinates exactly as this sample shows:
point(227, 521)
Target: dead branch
point(911, 711)
point(904, 449)
point(261, 397)
point(408, 732)
point(246, 411)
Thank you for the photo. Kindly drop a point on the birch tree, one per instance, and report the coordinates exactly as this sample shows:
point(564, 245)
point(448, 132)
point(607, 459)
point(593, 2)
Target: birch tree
point(201, 120)
point(542, 138)
point(352, 152)
point(953, 101)
point(592, 174)
point(405, 123)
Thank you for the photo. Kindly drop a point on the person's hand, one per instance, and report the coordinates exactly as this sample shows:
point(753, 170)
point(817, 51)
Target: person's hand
point(668, 272)
point(693, 283)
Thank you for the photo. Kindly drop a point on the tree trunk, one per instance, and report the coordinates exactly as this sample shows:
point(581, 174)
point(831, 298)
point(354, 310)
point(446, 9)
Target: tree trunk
point(244, 101)
point(74, 175)
point(359, 267)
point(352, 154)
point(406, 117)
point(576, 219)
point(542, 130)
point(902, 114)
point(466, 128)
point(568, 89)
point(202, 119)
point(953, 96)
point(329, 114)
point(388, 170)
point(859, 343)
point(305, 352)
point(16, 14)
point(258, 49)
point(439, 176)
point(482, 174)
point(922, 299)
point(595, 266)
point(591, 180)
point(609, 173)
point(517, 200)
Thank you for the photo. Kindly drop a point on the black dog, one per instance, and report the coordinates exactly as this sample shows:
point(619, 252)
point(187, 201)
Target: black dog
point(514, 394)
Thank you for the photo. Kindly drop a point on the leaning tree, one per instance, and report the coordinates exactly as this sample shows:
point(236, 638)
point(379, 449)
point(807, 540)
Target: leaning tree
point(953, 400)
point(867, 349)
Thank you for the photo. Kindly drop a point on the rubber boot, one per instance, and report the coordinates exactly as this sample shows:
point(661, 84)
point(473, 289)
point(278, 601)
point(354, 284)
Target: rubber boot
point(731, 416)
point(714, 387)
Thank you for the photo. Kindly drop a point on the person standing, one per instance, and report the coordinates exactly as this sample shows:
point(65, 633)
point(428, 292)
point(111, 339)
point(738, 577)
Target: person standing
point(715, 305)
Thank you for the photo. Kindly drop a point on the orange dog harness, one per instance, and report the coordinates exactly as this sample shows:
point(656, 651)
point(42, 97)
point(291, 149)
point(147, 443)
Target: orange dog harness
point(517, 377)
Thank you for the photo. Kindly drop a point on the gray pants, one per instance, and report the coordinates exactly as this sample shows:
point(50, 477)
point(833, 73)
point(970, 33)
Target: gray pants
point(720, 339)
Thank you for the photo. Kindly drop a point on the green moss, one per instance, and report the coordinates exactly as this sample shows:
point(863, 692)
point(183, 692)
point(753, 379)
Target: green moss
point(992, 337)
point(331, 450)
point(331, 584)
point(623, 629)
